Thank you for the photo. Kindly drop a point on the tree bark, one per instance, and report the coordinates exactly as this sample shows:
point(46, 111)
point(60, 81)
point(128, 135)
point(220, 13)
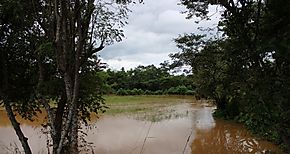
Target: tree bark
point(58, 121)
point(70, 41)
point(8, 108)
point(16, 126)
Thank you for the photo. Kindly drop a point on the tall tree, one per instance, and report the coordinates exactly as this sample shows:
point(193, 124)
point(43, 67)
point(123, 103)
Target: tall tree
point(17, 63)
point(53, 43)
point(254, 58)
point(75, 28)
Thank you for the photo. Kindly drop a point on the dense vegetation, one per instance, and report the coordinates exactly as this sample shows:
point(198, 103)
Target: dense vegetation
point(48, 55)
point(246, 71)
point(148, 80)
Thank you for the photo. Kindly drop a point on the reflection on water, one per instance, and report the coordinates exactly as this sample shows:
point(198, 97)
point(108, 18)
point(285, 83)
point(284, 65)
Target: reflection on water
point(9, 142)
point(183, 128)
point(122, 135)
point(229, 138)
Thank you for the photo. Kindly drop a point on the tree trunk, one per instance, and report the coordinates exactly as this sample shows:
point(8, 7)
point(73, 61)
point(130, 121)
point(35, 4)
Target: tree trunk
point(68, 120)
point(70, 40)
point(74, 134)
point(8, 108)
point(16, 126)
point(58, 121)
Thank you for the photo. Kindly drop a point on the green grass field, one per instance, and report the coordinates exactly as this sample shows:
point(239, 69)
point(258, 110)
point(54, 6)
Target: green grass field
point(140, 104)
point(151, 105)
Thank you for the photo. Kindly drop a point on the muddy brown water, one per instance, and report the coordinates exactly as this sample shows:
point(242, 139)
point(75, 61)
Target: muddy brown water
point(179, 129)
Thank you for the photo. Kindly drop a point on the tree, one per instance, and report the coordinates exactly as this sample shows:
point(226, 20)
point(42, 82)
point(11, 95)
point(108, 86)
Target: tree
point(55, 45)
point(18, 69)
point(252, 62)
point(208, 67)
point(148, 80)
point(75, 29)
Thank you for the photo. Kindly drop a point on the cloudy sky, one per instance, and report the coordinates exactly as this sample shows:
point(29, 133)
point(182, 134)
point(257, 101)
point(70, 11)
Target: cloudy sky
point(150, 33)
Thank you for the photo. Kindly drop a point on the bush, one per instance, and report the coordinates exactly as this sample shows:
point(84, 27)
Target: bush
point(190, 92)
point(172, 90)
point(158, 92)
point(122, 92)
point(148, 92)
point(181, 90)
point(134, 91)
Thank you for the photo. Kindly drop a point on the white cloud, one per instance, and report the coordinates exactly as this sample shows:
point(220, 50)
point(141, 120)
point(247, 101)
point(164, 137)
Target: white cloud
point(117, 64)
point(150, 33)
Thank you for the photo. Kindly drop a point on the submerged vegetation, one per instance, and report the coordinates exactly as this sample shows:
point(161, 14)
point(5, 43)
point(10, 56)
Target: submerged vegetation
point(141, 104)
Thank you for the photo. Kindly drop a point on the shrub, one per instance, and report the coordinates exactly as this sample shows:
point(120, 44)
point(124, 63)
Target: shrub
point(148, 92)
point(122, 92)
point(181, 90)
point(190, 92)
point(158, 92)
point(172, 90)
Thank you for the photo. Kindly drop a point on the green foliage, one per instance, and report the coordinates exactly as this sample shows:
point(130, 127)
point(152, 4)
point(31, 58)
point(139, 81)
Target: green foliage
point(179, 90)
point(134, 91)
point(47, 53)
point(18, 69)
point(245, 71)
point(92, 87)
point(122, 92)
point(149, 80)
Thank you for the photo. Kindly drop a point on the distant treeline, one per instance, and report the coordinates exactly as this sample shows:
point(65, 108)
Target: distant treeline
point(146, 80)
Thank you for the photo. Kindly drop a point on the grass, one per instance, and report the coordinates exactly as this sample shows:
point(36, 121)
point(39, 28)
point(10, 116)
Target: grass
point(141, 104)
point(149, 106)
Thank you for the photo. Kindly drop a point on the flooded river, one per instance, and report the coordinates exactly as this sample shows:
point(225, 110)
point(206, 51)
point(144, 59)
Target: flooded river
point(184, 128)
